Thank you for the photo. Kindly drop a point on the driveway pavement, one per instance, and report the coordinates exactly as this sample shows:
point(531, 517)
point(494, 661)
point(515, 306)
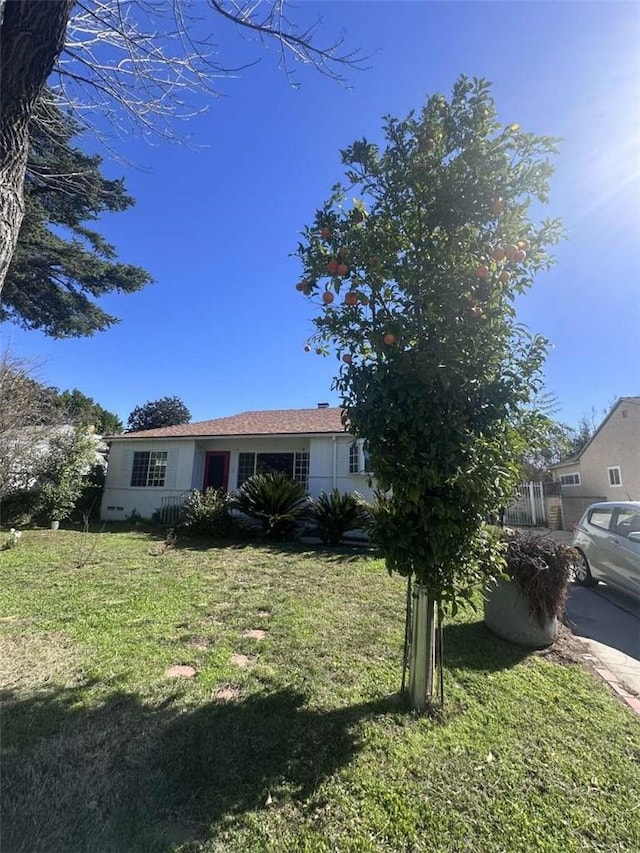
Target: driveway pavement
point(609, 623)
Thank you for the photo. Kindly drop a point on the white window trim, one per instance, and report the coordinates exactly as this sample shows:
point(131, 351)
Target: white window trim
point(362, 458)
point(615, 468)
point(155, 456)
point(571, 474)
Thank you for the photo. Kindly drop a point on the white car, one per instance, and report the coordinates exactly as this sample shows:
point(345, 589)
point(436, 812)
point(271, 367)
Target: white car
point(607, 539)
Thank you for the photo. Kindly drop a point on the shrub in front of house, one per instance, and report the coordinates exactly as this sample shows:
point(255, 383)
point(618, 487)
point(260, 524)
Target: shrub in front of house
point(19, 509)
point(334, 514)
point(276, 501)
point(206, 514)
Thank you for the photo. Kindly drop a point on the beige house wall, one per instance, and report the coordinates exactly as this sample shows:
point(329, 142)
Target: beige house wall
point(617, 443)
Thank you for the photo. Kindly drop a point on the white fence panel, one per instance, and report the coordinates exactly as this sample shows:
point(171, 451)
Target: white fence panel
point(527, 507)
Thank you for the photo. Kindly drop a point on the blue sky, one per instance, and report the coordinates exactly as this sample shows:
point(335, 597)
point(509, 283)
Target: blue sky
point(224, 328)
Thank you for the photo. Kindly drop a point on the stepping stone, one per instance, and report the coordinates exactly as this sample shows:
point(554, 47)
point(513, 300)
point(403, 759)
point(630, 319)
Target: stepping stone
point(178, 671)
point(255, 633)
point(242, 660)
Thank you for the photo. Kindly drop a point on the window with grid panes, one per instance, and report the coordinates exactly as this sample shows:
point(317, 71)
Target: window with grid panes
point(246, 467)
point(294, 465)
point(149, 468)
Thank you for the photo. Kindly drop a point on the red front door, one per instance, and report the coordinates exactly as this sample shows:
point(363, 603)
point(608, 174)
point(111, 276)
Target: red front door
point(216, 470)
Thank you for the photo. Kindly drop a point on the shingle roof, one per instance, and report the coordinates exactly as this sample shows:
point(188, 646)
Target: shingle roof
point(276, 422)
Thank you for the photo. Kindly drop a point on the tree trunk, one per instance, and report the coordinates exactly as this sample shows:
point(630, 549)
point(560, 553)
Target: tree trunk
point(423, 649)
point(31, 37)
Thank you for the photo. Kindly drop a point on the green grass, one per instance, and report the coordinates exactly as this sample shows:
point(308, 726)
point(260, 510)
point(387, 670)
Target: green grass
point(313, 751)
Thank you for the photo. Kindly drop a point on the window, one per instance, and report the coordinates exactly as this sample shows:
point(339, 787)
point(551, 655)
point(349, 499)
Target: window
point(246, 467)
point(359, 458)
point(294, 465)
point(627, 521)
point(615, 478)
point(149, 468)
point(570, 479)
point(601, 517)
point(354, 459)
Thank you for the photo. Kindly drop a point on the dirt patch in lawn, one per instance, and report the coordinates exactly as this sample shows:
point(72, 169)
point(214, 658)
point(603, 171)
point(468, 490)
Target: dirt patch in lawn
point(200, 643)
point(255, 633)
point(567, 649)
point(243, 661)
point(226, 693)
point(179, 671)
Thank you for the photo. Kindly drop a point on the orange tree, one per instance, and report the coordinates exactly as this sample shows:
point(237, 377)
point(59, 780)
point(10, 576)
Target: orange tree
point(415, 262)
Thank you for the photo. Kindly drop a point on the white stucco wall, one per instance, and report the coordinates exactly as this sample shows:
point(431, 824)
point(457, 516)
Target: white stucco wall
point(120, 499)
point(324, 476)
point(186, 464)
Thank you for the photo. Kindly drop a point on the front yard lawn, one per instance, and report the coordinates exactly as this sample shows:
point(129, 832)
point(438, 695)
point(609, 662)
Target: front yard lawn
point(290, 736)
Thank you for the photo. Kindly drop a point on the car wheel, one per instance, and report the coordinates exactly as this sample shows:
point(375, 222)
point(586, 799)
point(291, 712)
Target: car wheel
point(582, 572)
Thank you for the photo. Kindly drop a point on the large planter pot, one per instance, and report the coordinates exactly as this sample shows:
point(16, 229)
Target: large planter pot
point(55, 525)
point(506, 613)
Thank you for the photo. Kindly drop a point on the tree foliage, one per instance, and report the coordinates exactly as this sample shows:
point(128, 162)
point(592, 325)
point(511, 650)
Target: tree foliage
point(61, 265)
point(72, 456)
point(167, 411)
point(135, 63)
point(415, 279)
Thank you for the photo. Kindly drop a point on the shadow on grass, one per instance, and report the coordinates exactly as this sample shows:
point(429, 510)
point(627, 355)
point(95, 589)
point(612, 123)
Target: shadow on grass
point(333, 553)
point(124, 775)
point(471, 645)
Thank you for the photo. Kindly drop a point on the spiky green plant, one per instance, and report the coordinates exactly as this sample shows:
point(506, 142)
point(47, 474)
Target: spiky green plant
point(275, 500)
point(334, 514)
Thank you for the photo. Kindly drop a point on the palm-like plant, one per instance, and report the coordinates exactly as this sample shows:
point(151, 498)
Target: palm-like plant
point(275, 500)
point(335, 513)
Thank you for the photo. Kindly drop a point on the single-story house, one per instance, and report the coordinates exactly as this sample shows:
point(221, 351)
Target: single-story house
point(154, 469)
point(607, 467)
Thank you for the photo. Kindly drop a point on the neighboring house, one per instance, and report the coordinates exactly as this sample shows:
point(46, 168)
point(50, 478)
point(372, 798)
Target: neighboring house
point(607, 467)
point(24, 451)
point(154, 469)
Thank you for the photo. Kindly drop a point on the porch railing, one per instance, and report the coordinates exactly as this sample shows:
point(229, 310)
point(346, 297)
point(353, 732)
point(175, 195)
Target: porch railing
point(170, 506)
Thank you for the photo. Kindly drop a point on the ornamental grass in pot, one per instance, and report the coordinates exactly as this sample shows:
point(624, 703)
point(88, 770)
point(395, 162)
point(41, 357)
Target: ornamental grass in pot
point(526, 603)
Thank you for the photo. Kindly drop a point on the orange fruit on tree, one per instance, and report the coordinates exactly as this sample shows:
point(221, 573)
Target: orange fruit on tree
point(498, 254)
point(521, 256)
point(347, 358)
point(342, 269)
point(497, 206)
point(511, 252)
point(332, 267)
point(482, 271)
point(389, 339)
point(505, 277)
point(351, 298)
point(325, 233)
point(524, 244)
point(327, 297)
